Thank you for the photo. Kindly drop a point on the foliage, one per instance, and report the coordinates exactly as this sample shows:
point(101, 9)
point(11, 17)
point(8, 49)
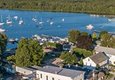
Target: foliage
point(82, 52)
point(73, 35)
point(59, 47)
point(50, 44)
point(101, 33)
point(11, 58)
point(82, 39)
point(68, 58)
point(3, 43)
point(88, 6)
point(84, 34)
point(94, 36)
point(85, 42)
point(107, 40)
point(28, 53)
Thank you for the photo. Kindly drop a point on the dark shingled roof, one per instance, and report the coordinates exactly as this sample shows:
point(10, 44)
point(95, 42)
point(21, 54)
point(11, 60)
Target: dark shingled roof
point(99, 57)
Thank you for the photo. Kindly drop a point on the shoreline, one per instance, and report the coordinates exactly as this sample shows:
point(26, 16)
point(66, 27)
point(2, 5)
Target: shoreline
point(90, 13)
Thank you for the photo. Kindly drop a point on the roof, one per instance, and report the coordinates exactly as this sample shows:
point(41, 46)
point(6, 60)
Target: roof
point(51, 69)
point(99, 57)
point(70, 73)
point(62, 71)
point(105, 50)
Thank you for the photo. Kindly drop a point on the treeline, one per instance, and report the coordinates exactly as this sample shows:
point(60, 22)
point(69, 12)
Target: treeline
point(88, 6)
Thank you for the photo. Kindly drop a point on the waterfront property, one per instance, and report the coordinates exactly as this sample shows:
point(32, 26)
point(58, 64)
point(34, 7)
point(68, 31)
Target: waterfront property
point(96, 60)
point(51, 73)
point(110, 52)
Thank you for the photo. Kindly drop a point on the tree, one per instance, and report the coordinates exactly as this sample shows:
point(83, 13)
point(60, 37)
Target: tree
point(102, 33)
point(85, 42)
point(28, 53)
point(94, 36)
point(82, 53)
point(84, 34)
point(3, 43)
point(73, 35)
point(59, 47)
point(68, 58)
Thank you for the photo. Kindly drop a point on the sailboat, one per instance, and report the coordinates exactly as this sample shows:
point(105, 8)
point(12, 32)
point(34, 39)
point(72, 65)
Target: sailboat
point(34, 19)
point(15, 17)
point(41, 22)
point(51, 23)
point(2, 30)
point(1, 22)
point(9, 21)
point(21, 21)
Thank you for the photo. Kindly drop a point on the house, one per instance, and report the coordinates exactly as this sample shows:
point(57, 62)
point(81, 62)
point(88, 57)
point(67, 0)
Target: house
point(50, 73)
point(93, 75)
point(56, 73)
point(25, 72)
point(110, 52)
point(99, 59)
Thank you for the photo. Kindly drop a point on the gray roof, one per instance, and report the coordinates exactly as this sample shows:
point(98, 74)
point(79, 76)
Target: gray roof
point(62, 71)
point(70, 73)
point(99, 57)
point(105, 49)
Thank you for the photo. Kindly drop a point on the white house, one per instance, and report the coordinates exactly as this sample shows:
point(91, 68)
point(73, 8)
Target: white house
point(27, 73)
point(51, 73)
point(56, 73)
point(110, 52)
point(99, 59)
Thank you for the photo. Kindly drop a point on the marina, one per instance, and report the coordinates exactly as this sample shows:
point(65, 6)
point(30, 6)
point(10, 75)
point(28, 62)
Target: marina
point(17, 24)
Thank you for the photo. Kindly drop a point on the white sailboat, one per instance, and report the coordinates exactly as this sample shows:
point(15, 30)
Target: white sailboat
point(2, 30)
point(1, 22)
point(111, 20)
point(41, 22)
point(9, 21)
point(16, 17)
point(34, 19)
point(51, 23)
point(21, 21)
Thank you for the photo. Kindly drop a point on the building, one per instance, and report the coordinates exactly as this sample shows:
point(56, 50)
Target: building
point(56, 73)
point(110, 52)
point(99, 59)
point(25, 72)
point(50, 73)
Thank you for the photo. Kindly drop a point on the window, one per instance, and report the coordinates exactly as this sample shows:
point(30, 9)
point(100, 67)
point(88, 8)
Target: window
point(41, 75)
point(88, 59)
point(46, 77)
point(52, 78)
point(114, 62)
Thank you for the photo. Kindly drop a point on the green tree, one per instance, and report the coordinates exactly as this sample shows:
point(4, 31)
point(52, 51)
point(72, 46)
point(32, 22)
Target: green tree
point(84, 34)
point(3, 43)
point(82, 53)
point(28, 53)
point(102, 33)
point(59, 47)
point(73, 35)
point(94, 36)
point(68, 58)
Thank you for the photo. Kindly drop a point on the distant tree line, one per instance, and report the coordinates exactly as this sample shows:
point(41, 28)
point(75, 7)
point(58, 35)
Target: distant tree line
point(88, 6)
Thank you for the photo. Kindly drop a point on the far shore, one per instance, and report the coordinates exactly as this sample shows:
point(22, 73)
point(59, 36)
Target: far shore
point(92, 13)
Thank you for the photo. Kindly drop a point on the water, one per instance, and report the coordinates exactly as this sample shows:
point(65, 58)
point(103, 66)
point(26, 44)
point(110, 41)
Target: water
point(59, 27)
